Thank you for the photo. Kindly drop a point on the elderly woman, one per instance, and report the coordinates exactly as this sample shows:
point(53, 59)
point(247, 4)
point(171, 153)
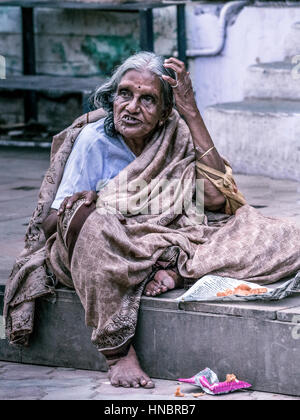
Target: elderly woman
point(111, 254)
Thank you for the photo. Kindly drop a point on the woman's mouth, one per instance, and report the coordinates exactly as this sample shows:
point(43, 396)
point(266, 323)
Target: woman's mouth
point(130, 120)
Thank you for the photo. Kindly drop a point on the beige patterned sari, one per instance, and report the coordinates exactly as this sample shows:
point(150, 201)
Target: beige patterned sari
point(110, 257)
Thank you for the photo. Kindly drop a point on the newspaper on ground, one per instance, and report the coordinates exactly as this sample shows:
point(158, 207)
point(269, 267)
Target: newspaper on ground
point(209, 287)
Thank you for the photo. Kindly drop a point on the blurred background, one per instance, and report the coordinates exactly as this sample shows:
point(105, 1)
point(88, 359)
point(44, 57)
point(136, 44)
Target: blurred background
point(242, 55)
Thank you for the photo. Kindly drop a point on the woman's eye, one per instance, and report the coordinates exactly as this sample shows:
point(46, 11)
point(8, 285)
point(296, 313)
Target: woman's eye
point(148, 99)
point(124, 93)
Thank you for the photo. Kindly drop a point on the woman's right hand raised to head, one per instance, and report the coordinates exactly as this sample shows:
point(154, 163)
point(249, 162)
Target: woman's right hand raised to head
point(182, 88)
point(89, 196)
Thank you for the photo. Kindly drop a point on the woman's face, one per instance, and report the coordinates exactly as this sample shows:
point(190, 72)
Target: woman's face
point(138, 105)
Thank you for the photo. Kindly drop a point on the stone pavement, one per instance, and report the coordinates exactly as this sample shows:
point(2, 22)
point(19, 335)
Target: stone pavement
point(21, 172)
point(29, 382)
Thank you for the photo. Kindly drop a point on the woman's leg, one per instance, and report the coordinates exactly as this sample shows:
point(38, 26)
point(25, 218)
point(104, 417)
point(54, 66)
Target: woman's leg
point(99, 300)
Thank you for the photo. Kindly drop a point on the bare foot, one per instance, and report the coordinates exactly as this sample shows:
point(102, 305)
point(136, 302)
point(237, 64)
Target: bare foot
point(163, 281)
point(127, 372)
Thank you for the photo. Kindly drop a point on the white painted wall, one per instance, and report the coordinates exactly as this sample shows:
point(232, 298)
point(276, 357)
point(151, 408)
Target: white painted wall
point(257, 34)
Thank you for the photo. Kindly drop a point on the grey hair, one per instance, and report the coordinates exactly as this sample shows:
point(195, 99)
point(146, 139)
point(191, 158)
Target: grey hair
point(104, 95)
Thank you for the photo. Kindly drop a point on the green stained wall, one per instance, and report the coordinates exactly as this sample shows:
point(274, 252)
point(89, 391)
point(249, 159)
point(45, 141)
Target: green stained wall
point(75, 43)
point(107, 51)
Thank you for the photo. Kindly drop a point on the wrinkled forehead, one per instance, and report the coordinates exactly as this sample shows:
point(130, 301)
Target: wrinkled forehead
point(143, 80)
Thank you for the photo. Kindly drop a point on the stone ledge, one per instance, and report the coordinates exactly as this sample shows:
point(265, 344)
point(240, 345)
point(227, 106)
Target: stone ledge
point(60, 337)
point(272, 80)
point(180, 344)
point(251, 149)
point(255, 341)
point(266, 310)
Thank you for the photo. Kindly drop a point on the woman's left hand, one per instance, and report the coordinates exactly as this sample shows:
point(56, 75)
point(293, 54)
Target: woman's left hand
point(90, 197)
point(182, 88)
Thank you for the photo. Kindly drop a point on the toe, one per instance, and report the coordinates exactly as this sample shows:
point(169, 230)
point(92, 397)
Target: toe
point(156, 291)
point(149, 385)
point(161, 283)
point(125, 384)
point(146, 382)
point(135, 384)
point(150, 287)
point(114, 382)
point(143, 381)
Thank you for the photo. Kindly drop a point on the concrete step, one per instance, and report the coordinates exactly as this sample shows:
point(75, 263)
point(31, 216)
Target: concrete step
point(259, 342)
point(292, 41)
point(273, 80)
point(259, 137)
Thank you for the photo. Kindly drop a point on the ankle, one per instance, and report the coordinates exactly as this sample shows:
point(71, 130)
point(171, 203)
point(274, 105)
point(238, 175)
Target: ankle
point(113, 362)
point(113, 359)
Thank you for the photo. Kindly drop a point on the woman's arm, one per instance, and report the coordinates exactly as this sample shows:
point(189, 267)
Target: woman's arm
point(187, 107)
point(49, 225)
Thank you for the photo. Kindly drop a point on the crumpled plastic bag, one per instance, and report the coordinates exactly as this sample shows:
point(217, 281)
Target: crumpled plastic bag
point(209, 382)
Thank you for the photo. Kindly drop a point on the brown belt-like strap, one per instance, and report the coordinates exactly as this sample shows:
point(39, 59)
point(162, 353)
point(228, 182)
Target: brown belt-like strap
point(225, 184)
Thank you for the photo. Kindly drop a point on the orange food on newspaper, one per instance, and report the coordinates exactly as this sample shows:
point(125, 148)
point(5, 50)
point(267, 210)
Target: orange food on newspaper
point(243, 287)
point(243, 290)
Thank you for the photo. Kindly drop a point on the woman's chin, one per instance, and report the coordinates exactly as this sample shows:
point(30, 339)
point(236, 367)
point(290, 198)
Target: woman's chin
point(133, 131)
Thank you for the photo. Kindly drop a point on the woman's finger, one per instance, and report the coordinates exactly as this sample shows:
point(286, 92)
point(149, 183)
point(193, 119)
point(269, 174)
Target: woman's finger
point(62, 206)
point(72, 200)
point(68, 202)
point(170, 80)
point(172, 66)
point(90, 197)
point(176, 67)
point(176, 61)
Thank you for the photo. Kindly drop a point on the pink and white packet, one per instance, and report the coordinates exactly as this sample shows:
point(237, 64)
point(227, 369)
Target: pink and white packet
point(209, 382)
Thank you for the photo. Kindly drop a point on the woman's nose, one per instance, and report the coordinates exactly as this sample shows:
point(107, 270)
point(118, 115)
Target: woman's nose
point(133, 105)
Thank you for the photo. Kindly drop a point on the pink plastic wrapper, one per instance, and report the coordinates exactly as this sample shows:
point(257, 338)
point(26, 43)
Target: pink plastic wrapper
point(209, 382)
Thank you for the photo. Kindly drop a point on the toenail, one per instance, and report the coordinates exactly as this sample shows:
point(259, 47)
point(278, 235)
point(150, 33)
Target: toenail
point(125, 384)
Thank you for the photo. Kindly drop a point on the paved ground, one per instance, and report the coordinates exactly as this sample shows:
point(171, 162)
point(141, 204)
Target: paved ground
point(21, 172)
point(46, 383)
